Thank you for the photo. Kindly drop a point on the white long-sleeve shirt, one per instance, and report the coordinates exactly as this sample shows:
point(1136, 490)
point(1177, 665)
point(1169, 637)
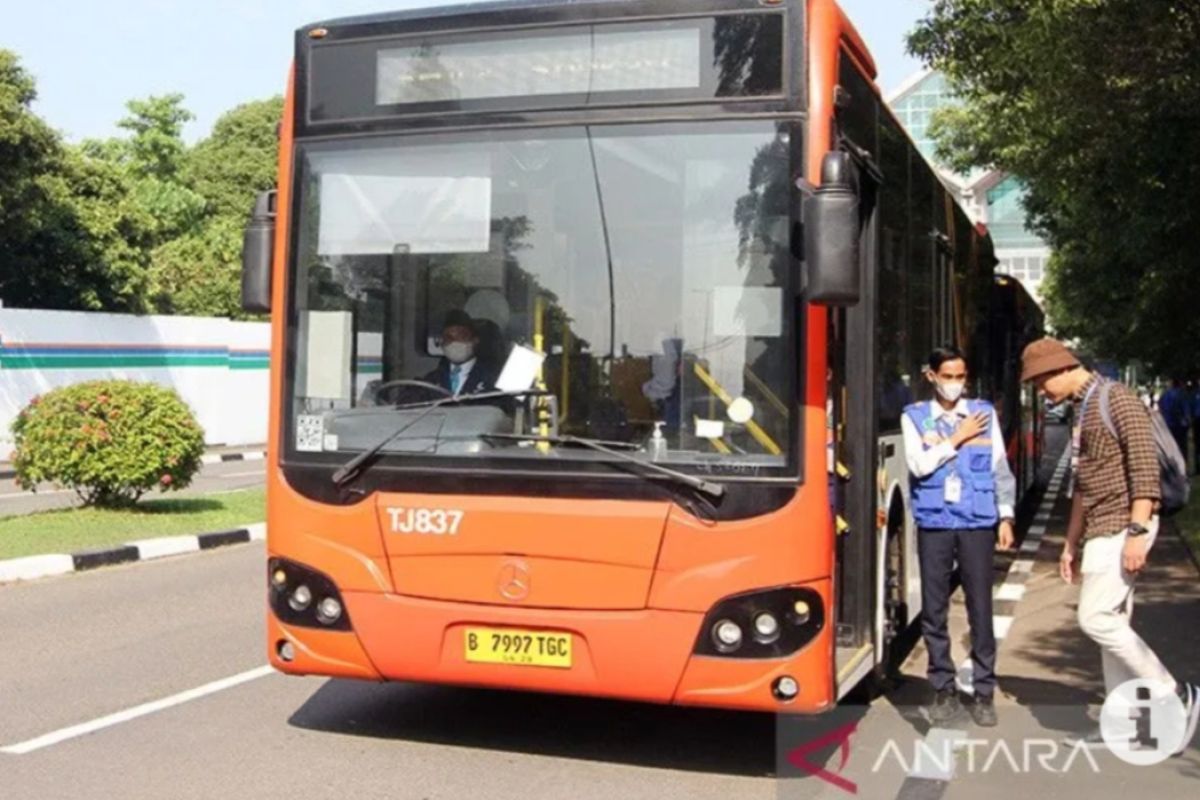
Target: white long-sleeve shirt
point(922, 462)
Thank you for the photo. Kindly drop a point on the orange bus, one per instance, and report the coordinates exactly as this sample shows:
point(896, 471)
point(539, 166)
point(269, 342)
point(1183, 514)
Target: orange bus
point(591, 327)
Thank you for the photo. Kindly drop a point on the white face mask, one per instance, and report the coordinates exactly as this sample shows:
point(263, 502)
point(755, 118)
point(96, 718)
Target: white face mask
point(458, 352)
point(951, 391)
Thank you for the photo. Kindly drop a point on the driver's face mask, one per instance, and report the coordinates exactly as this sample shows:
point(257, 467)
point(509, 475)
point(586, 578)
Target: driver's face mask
point(458, 352)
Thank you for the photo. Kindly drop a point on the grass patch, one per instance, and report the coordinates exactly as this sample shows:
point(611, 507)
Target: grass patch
point(77, 529)
point(1188, 520)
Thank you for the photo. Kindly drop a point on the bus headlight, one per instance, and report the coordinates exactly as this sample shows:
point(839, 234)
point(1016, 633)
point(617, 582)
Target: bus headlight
point(766, 626)
point(328, 611)
point(302, 596)
point(727, 635)
point(767, 623)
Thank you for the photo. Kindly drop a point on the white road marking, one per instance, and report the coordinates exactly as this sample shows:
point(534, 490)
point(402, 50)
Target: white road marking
point(1001, 625)
point(1011, 591)
point(75, 731)
point(258, 473)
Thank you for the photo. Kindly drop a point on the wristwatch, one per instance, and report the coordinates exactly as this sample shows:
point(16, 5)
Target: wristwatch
point(1136, 529)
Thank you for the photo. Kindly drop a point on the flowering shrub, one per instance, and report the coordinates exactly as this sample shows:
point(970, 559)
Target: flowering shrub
point(110, 441)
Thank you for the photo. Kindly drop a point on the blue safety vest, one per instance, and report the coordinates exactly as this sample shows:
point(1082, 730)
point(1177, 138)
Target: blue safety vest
point(976, 506)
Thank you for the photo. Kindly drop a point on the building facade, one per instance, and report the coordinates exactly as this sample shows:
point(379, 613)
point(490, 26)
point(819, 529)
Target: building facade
point(989, 196)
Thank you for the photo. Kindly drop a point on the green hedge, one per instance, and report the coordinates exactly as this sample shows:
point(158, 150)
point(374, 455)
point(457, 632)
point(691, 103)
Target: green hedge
point(110, 441)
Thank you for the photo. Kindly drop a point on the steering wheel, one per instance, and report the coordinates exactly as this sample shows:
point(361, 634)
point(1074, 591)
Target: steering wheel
point(379, 389)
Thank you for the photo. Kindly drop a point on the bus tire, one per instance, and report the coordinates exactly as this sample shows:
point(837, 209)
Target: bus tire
point(896, 640)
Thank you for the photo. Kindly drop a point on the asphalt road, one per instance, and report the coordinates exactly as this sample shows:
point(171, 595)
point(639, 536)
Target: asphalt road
point(79, 648)
point(223, 477)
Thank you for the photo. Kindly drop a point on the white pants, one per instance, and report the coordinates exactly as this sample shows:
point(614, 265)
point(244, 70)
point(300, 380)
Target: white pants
point(1105, 611)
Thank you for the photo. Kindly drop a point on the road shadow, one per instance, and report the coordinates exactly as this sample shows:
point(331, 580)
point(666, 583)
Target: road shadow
point(733, 743)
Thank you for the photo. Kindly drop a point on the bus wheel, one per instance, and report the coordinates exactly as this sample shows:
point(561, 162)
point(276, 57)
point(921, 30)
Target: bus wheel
point(896, 642)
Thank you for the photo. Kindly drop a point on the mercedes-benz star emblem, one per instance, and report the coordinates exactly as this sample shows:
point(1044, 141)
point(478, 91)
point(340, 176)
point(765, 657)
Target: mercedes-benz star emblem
point(513, 582)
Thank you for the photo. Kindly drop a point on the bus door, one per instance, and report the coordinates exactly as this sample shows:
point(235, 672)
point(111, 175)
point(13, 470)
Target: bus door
point(853, 468)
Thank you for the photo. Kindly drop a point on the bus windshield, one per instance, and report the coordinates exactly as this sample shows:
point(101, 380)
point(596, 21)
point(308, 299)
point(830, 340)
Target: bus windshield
point(634, 278)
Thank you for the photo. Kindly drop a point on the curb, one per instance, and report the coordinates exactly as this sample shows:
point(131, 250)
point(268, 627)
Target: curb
point(44, 566)
point(207, 458)
point(244, 455)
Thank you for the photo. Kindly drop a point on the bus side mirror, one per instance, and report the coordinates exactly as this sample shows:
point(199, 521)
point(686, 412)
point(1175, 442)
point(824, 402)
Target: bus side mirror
point(831, 236)
point(258, 247)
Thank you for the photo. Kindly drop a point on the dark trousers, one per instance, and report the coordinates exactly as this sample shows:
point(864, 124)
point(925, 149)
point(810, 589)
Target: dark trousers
point(1195, 445)
point(1181, 438)
point(938, 550)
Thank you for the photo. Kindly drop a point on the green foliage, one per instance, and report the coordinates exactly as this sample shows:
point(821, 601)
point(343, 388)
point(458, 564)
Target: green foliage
point(150, 163)
point(135, 223)
point(110, 441)
point(238, 160)
point(156, 149)
point(48, 253)
point(199, 272)
point(1094, 105)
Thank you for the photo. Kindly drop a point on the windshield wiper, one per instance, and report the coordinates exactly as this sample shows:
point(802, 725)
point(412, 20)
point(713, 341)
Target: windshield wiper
point(714, 490)
point(353, 467)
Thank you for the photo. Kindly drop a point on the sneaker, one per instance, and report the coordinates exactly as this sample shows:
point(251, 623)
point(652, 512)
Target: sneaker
point(1189, 695)
point(983, 711)
point(1092, 738)
point(946, 706)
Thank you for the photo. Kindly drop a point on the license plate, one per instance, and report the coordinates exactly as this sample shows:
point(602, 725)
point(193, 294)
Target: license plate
point(518, 647)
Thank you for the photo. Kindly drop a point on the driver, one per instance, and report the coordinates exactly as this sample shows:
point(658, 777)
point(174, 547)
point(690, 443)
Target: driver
point(459, 371)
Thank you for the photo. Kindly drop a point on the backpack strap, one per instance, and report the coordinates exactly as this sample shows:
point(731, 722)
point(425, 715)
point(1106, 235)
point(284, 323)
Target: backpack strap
point(1106, 411)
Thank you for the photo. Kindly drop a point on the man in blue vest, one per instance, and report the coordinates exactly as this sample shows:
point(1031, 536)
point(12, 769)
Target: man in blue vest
point(961, 490)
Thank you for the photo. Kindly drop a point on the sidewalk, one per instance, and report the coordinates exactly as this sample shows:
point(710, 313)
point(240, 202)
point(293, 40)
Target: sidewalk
point(1050, 681)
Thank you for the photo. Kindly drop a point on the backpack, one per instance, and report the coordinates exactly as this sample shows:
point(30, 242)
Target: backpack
point(1172, 465)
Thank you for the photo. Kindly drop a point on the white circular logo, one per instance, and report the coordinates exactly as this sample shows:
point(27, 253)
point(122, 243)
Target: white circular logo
point(1140, 726)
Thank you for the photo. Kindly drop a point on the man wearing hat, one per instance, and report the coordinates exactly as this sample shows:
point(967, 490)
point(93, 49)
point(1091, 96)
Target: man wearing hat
point(460, 371)
point(1113, 520)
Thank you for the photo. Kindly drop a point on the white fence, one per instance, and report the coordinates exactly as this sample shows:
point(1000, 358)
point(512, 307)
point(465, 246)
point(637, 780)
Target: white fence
point(218, 366)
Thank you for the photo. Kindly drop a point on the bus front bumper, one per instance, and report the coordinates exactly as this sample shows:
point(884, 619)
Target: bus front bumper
point(646, 655)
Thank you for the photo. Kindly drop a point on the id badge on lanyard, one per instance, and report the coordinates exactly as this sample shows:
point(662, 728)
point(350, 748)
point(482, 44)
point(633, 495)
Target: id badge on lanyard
point(953, 489)
point(954, 486)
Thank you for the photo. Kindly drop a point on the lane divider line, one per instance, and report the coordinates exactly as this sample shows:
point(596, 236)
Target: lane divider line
point(83, 729)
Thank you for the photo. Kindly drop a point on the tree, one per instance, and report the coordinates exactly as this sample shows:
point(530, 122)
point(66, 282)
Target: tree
point(134, 223)
point(1093, 104)
point(153, 159)
point(199, 272)
point(238, 159)
point(51, 233)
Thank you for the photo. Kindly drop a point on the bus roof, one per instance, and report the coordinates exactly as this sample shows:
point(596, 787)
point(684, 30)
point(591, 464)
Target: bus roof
point(449, 10)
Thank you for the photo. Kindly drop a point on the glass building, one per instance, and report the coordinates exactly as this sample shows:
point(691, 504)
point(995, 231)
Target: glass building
point(989, 196)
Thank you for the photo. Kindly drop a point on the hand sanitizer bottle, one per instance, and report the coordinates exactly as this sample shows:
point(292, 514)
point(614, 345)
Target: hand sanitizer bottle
point(658, 443)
